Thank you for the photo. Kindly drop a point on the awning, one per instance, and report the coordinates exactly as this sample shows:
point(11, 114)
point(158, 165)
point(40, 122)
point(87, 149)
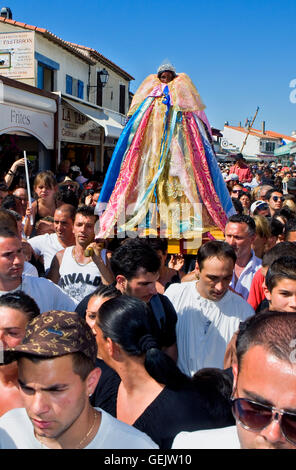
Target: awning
point(111, 127)
point(284, 149)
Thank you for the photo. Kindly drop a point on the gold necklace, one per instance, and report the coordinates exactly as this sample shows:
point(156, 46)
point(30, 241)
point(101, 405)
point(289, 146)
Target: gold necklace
point(89, 431)
point(74, 257)
point(82, 440)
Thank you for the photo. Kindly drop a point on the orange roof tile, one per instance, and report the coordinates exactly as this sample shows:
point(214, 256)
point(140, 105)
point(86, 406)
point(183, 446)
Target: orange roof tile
point(101, 57)
point(72, 47)
point(267, 134)
point(50, 36)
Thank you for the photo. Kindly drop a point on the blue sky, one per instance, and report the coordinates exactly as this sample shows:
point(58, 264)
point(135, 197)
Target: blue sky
point(240, 54)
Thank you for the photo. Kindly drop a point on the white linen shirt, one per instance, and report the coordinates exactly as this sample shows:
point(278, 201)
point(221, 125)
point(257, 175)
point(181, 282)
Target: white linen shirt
point(204, 327)
point(222, 438)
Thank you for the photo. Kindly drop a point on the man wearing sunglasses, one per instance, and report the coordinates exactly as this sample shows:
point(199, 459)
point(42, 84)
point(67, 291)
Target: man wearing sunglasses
point(263, 398)
point(275, 200)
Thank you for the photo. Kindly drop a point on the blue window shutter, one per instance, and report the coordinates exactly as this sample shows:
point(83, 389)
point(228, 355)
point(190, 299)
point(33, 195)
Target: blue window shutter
point(40, 77)
point(68, 84)
point(49, 63)
point(80, 89)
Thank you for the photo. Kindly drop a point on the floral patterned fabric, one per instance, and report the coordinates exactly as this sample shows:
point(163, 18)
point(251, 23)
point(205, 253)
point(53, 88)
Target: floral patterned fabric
point(167, 177)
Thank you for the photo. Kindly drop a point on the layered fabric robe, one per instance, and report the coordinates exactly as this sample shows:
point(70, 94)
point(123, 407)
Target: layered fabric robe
point(163, 175)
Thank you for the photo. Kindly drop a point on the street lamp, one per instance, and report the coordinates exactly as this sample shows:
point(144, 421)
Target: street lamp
point(104, 76)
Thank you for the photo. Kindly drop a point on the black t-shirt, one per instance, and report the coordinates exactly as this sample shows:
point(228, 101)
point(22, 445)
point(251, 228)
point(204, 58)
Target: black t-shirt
point(163, 320)
point(171, 412)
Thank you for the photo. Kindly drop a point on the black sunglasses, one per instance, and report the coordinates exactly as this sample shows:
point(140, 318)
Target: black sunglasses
point(276, 198)
point(254, 417)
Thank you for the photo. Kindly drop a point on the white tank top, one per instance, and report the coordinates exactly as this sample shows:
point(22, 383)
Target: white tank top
point(78, 280)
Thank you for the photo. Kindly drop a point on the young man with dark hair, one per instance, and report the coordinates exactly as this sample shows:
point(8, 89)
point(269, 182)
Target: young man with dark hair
point(45, 293)
point(257, 295)
point(208, 311)
point(280, 284)
point(135, 266)
point(263, 398)
point(57, 374)
point(240, 233)
point(77, 273)
point(275, 200)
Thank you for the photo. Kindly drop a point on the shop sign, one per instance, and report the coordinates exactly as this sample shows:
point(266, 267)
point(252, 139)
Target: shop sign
point(78, 128)
point(17, 55)
point(38, 124)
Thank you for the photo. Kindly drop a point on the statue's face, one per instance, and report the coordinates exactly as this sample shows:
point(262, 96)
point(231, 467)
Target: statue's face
point(166, 76)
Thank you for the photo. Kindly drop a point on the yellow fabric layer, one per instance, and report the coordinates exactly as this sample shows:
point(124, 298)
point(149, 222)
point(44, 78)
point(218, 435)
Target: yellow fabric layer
point(184, 95)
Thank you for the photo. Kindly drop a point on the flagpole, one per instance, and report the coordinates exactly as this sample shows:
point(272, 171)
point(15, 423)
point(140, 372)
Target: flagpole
point(28, 186)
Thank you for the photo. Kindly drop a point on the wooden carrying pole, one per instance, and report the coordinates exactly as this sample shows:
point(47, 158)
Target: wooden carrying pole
point(249, 128)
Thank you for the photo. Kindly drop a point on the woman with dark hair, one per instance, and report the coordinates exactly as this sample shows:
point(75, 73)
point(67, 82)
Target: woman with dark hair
point(246, 201)
point(237, 205)
point(94, 301)
point(146, 390)
point(16, 310)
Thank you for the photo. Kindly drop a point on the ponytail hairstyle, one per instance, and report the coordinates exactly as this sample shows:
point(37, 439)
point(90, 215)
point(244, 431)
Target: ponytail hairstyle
point(125, 320)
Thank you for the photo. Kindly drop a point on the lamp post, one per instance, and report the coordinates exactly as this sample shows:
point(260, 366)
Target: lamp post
point(104, 77)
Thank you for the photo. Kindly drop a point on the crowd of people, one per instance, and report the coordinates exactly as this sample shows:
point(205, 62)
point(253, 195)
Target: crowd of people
point(116, 344)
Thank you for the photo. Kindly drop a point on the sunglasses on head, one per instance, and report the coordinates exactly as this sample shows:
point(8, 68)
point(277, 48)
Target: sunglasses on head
point(254, 416)
point(276, 198)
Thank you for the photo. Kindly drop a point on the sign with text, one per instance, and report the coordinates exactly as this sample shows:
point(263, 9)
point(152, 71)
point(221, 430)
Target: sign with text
point(78, 128)
point(38, 124)
point(17, 55)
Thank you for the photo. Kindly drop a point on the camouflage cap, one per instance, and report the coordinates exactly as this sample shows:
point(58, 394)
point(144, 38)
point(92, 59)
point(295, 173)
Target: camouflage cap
point(53, 334)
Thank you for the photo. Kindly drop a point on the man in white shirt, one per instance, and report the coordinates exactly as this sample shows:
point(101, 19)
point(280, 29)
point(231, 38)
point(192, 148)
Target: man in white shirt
point(263, 397)
point(49, 244)
point(208, 311)
point(57, 374)
point(46, 294)
point(240, 233)
point(79, 273)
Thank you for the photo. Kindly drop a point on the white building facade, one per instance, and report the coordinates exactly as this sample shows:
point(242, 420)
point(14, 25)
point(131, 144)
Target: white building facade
point(254, 144)
point(91, 116)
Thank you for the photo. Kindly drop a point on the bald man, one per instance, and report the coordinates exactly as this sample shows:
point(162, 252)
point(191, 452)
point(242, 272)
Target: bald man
point(48, 245)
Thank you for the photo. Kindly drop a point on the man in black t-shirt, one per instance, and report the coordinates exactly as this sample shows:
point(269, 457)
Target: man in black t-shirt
point(135, 266)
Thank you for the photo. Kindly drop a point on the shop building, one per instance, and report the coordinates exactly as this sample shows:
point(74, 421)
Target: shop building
point(90, 112)
point(28, 121)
